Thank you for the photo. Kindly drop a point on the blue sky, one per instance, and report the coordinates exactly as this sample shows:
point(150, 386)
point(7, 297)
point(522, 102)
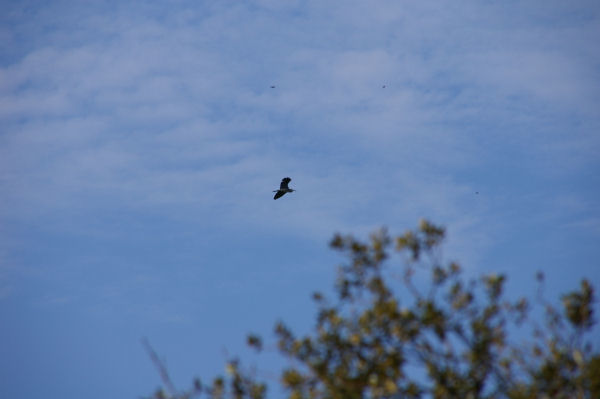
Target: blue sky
point(140, 144)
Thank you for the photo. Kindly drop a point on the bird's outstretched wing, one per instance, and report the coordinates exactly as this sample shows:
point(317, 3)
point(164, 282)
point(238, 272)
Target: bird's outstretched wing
point(284, 183)
point(279, 194)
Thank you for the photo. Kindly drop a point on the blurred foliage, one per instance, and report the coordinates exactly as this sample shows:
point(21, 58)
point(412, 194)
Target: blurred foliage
point(383, 336)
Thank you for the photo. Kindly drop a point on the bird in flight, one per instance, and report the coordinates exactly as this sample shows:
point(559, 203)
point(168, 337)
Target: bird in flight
point(283, 188)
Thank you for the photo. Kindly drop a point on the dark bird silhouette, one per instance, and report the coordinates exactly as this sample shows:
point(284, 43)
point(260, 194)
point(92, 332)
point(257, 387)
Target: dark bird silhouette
point(273, 86)
point(283, 188)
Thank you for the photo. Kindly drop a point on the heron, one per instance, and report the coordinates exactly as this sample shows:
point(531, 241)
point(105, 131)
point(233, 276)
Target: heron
point(283, 188)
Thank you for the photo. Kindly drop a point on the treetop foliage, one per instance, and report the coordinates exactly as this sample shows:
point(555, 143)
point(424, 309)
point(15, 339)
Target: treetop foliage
point(385, 336)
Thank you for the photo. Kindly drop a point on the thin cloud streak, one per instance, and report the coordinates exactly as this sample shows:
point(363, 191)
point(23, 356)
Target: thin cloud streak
point(154, 114)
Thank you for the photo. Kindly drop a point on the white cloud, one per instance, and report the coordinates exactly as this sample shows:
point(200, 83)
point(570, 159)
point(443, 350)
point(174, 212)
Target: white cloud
point(176, 110)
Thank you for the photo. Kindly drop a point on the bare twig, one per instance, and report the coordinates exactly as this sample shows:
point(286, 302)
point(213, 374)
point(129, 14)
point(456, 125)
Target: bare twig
point(162, 369)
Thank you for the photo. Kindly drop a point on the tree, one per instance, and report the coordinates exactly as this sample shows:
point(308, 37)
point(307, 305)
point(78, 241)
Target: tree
point(385, 336)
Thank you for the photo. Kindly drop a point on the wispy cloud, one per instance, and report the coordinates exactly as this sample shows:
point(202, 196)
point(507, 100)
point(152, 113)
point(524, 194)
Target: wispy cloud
point(152, 107)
